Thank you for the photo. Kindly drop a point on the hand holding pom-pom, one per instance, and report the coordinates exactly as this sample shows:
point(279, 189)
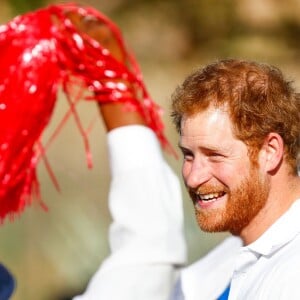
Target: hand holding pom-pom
point(41, 50)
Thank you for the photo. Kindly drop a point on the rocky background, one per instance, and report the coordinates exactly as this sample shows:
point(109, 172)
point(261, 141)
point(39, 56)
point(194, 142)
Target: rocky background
point(53, 254)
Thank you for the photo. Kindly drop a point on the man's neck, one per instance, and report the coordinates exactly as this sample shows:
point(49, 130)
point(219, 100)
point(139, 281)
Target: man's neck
point(280, 199)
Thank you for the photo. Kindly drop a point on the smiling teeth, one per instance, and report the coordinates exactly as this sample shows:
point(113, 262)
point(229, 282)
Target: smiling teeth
point(207, 197)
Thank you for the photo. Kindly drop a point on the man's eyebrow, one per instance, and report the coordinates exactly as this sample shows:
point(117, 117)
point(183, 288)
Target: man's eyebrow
point(179, 145)
point(183, 149)
point(207, 148)
point(212, 148)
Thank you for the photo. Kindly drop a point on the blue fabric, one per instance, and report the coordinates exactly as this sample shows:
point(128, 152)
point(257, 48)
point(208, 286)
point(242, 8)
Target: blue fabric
point(7, 283)
point(225, 294)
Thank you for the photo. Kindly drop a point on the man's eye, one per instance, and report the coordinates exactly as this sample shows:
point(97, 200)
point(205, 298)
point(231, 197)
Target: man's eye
point(216, 156)
point(187, 155)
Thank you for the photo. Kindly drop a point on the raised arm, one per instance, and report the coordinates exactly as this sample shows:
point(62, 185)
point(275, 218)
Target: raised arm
point(146, 235)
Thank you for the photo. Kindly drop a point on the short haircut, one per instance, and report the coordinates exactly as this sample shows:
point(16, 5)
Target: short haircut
point(258, 98)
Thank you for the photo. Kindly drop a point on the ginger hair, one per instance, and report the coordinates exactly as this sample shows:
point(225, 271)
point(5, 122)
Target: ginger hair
point(257, 97)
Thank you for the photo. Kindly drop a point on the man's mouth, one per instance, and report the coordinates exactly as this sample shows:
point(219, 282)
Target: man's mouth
point(209, 197)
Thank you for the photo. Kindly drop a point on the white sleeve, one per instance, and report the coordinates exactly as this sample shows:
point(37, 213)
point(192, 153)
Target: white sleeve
point(146, 236)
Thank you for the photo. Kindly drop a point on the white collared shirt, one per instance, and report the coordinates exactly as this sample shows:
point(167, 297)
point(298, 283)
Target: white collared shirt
point(269, 268)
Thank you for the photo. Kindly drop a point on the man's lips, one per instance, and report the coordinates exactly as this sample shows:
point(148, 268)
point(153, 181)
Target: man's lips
point(209, 196)
point(207, 200)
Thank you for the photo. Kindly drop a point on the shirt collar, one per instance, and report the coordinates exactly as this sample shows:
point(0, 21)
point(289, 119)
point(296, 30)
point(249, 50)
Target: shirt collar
point(280, 233)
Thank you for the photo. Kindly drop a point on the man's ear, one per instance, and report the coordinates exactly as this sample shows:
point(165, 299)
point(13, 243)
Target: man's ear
point(272, 152)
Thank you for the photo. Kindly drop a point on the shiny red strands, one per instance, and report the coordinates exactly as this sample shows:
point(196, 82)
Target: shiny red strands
point(39, 52)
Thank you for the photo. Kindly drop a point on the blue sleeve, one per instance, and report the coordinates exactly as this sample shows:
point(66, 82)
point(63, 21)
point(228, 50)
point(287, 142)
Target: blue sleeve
point(7, 283)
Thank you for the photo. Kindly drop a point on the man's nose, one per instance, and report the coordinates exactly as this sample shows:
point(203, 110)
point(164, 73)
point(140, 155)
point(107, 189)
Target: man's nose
point(197, 174)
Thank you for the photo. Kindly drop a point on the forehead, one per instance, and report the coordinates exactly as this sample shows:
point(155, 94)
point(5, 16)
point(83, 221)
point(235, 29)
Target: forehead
point(210, 126)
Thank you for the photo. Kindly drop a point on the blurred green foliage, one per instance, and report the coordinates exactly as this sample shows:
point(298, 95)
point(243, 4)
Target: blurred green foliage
point(22, 6)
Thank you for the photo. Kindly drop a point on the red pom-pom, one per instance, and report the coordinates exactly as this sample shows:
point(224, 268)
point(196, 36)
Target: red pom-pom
point(39, 52)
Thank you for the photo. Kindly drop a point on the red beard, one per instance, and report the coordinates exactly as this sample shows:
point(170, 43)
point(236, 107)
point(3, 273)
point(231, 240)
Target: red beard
point(243, 204)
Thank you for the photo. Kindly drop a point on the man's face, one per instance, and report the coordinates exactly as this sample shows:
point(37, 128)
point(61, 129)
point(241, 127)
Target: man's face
point(227, 189)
